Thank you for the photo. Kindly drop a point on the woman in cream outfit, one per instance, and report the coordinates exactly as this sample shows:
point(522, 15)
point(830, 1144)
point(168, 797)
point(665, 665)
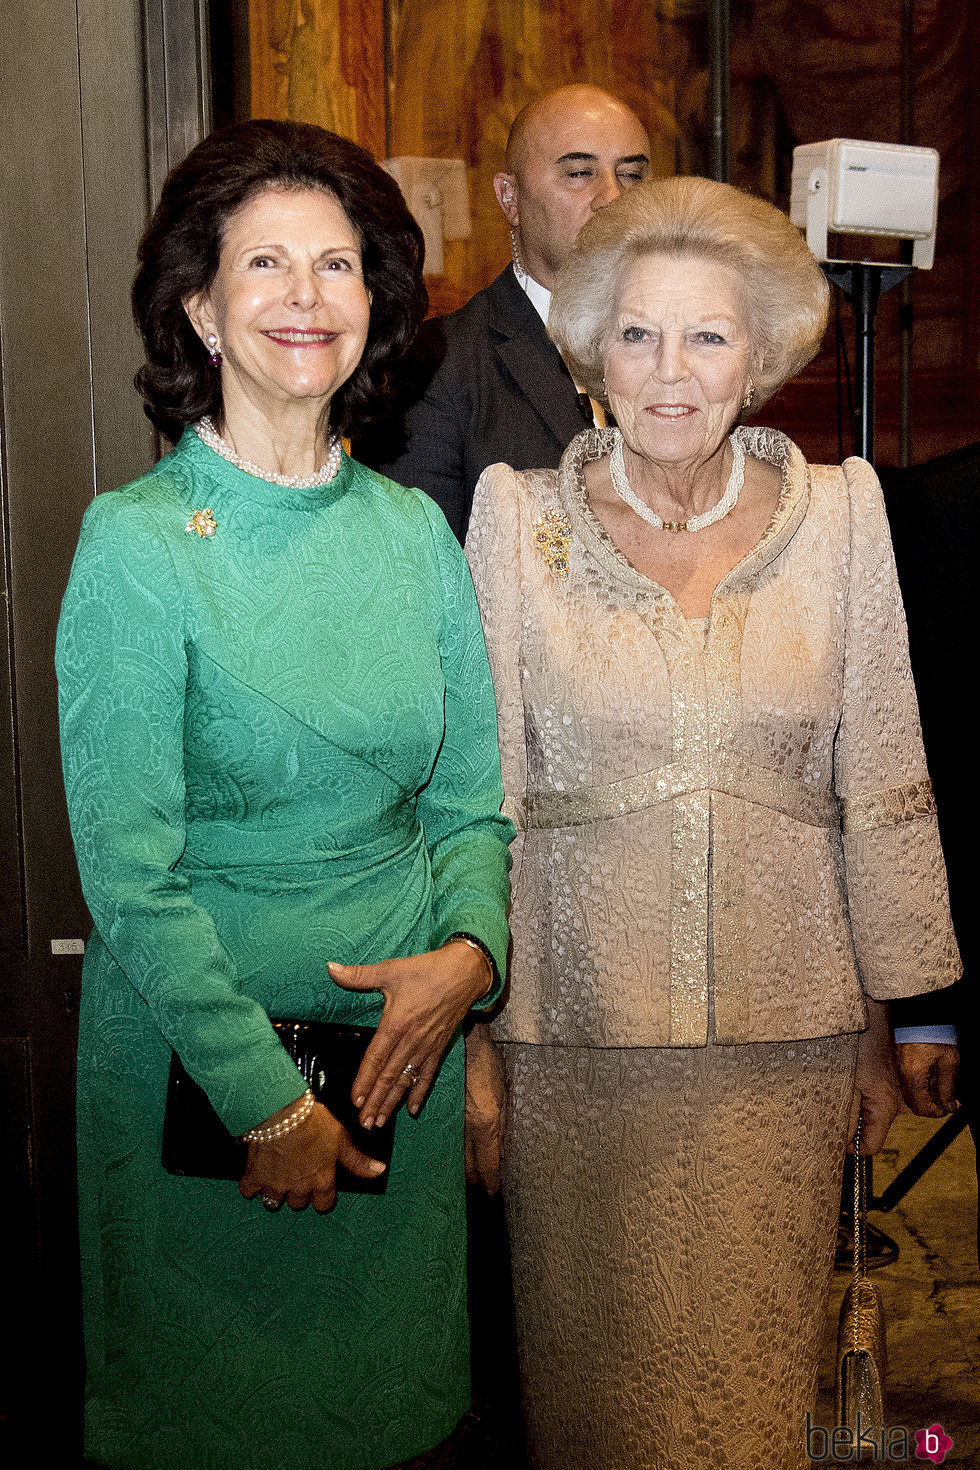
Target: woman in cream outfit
point(727, 861)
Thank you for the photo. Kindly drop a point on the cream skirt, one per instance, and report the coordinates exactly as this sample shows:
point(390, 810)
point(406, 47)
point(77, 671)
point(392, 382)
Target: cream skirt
point(672, 1216)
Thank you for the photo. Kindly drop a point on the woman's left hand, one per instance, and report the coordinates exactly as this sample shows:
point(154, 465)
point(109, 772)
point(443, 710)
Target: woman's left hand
point(877, 1097)
point(426, 998)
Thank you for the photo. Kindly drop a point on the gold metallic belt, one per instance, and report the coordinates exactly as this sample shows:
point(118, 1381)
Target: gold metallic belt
point(749, 783)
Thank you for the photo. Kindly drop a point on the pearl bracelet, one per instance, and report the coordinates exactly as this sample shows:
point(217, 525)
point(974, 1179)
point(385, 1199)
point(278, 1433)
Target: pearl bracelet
point(484, 956)
point(299, 1114)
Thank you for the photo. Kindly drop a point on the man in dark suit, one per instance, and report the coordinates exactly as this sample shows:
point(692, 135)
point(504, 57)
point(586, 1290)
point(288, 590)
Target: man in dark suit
point(487, 383)
point(934, 514)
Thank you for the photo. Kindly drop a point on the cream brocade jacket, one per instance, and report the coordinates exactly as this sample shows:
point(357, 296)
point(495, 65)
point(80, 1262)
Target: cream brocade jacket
point(746, 819)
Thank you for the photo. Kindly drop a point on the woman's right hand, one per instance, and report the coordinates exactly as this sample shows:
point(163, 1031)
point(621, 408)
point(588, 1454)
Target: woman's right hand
point(301, 1166)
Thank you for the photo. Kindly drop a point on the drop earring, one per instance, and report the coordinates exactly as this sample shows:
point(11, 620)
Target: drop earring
point(749, 395)
point(214, 356)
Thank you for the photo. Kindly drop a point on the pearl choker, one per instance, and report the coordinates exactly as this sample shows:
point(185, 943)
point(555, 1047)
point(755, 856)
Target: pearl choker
point(617, 469)
point(206, 431)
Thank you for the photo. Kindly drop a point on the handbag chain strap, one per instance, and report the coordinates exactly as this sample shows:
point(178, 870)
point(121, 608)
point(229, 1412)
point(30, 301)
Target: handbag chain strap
point(860, 1219)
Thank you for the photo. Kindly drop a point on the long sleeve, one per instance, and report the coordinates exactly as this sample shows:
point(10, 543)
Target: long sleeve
point(895, 874)
point(122, 674)
point(467, 835)
point(493, 551)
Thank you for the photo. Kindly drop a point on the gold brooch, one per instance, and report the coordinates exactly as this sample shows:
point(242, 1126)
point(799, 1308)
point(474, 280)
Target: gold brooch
point(203, 522)
point(552, 537)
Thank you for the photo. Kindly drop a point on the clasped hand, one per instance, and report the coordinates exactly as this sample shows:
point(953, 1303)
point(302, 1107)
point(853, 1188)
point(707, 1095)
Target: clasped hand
point(426, 997)
point(928, 1073)
point(301, 1166)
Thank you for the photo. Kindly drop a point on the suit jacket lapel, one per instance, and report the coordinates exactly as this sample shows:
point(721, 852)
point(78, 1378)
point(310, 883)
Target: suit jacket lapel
point(532, 359)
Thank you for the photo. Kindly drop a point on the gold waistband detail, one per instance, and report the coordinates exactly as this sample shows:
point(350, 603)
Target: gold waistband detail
point(888, 808)
point(621, 798)
point(750, 783)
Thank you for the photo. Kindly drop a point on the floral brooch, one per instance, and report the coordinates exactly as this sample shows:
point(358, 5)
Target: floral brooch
point(552, 537)
point(203, 522)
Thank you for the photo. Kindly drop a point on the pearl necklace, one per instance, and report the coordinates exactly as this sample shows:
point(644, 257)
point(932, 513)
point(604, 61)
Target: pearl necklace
point(617, 469)
point(206, 431)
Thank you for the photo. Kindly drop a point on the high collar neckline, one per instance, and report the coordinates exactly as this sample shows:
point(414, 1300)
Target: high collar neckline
point(231, 477)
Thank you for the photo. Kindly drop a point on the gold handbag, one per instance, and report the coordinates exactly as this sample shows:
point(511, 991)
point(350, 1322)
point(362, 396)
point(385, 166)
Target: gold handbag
point(861, 1330)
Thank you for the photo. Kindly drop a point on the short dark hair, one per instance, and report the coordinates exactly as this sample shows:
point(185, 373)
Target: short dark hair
point(179, 254)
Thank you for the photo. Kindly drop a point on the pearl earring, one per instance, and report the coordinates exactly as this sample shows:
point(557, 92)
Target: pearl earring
point(214, 357)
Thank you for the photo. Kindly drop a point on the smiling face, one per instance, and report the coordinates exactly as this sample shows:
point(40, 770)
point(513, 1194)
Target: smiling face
point(288, 304)
point(577, 151)
point(679, 358)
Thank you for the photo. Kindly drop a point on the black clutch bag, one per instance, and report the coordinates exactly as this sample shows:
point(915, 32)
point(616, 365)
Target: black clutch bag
point(197, 1144)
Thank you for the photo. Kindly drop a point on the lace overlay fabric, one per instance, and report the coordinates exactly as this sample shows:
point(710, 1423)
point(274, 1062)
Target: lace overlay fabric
point(784, 742)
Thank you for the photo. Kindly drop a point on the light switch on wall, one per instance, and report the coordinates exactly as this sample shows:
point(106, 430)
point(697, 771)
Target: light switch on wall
point(436, 192)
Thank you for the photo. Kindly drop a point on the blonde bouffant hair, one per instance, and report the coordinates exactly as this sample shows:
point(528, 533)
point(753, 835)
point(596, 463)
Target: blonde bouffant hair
point(785, 291)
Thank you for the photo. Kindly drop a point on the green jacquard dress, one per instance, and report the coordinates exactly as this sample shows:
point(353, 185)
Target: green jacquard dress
point(279, 749)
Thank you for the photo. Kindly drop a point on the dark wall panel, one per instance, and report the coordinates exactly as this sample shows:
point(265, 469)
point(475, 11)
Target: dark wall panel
point(13, 923)
point(96, 94)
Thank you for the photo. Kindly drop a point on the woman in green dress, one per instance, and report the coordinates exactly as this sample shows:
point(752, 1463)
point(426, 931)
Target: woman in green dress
point(280, 758)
